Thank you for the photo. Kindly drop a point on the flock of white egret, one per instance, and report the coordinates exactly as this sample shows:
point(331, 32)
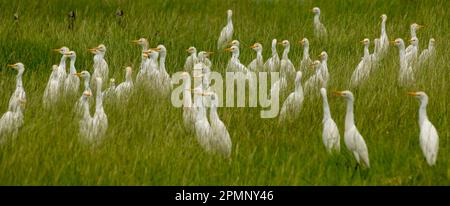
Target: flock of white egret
point(211, 133)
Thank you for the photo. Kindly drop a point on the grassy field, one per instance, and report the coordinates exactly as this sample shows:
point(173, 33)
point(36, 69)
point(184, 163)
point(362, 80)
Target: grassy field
point(146, 143)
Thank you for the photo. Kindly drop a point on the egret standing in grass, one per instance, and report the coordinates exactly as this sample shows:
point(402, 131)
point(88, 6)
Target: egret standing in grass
point(86, 121)
point(312, 84)
point(110, 93)
point(100, 120)
point(61, 72)
point(429, 139)
point(273, 63)
point(164, 82)
point(384, 40)
point(306, 60)
point(141, 42)
point(413, 29)
point(406, 75)
point(87, 88)
point(18, 97)
point(235, 65)
point(362, 70)
point(319, 29)
point(293, 103)
point(124, 89)
point(72, 82)
point(227, 32)
point(189, 111)
point(100, 66)
point(330, 133)
point(286, 67)
point(412, 54)
point(428, 53)
point(203, 57)
point(221, 141)
point(191, 60)
point(353, 139)
point(51, 92)
point(258, 63)
point(324, 68)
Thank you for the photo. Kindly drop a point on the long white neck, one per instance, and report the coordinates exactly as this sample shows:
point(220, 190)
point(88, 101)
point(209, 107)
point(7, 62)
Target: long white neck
point(326, 107)
point(86, 114)
point(383, 27)
point(99, 97)
point(72, 65)
point(413, 32)
point(259, 57)
point(162, 62)
point(366, 50)
point(306, 52)
point(423, 111)
point(187, 99)
point(86, 84)
point(213, 116)
point(235, 55)
point(286, 52)
point(274, 50)
point(317, 19)
point(62, 63)
point(349, 119)
point(19, 79)
point(98, 57)
point(298, 87)
point(128, 77)
point(229, 21)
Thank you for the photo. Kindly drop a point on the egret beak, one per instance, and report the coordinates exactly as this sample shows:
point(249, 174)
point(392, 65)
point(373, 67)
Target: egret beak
point(410, 41)
point(412, 94)
point(420, 26)
point(253, 46)
point(392, 42)
point(56, 50)
point(135, 41)
point(302, 42)
point(77, 74)
point(362, 41)
point(280, 43)
point(187, 50)
point(156, 49)
point(92, 50)
point(320, 55)
point(228, 49)
point(337, 93)
point(11, 65)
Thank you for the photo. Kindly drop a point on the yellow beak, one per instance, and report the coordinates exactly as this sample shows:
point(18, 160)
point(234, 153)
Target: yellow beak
point(135, 41)
point(227, 49)
point(337, 93)
point(77, 74)
point(412, 93)
point(56, 50)
point(11, 65)
point(156, 49)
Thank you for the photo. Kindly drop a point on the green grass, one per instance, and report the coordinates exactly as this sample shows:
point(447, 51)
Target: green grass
point(146, 143)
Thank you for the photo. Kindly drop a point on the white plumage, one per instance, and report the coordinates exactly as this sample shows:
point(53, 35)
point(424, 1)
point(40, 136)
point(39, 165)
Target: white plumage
point(221, 141)
point(363, 68)
point(429, 139)
point(124, 89)
point(293, 103)
point(72, 82)
point(330, 133)
point(52, 92)
point(273, 63)
point(258, 63)
point(319, 29)
point(100, 66)
point(227, 32)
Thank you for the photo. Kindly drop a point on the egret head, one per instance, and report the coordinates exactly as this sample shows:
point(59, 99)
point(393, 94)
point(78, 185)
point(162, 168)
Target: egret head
point(419, 95)
point(346, 94)
point(316, 64)
point(234, 43)
point(61, 50)
point(232, 49)
point(298, 76)
point(416, 26)
point(160, 48)
point(83, 74)
point(431, 42)
point(153, 54)
point(365, 42)
point(112, 81)
point(323, 56)
point(191, 50)
point(304, 42)
point(398, 42)
point(70, 54)
point(384, 17)
point(128, 70)
point(285, 43)
point(274, 42)
point(55, 67)
point(229, 13)
point(140, 42)
point(18, 66)
point(256, 47)
point(414, 41)
point(316, 10)
point(323, 91)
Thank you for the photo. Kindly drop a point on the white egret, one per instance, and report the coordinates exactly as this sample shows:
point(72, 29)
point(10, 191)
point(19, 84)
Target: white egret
point(312, 84)
point(62, 74)
point(221, 140)
point(203, 57)
point(227, 32)
point(19, 95)
point(384, 40)
point(273, 63)
point(234, 43)
point(152, 68)
point(142, 79)
point(406, 75)
point(324, 68)
point(428, 53)
point(72, 82)
point(100, 66)
point(189, 111)
point(412, 54)
point(86, 77)
point(141, 42)
point(124, 89)
point(413, 29)
point(164, 82)
point(258, 63)
point(234, 65)
point(287, 69)
point(353, 139)
point(429, 139)
point(376, 55)
point(100, 120)
point(330, 133)
point(203, 130)
point(362, 70)
point(51, 93)
point(293, 103)
point(306, 60)
point(191, 60)
point(110, 93)
point(319, 29)
point(86, 121)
